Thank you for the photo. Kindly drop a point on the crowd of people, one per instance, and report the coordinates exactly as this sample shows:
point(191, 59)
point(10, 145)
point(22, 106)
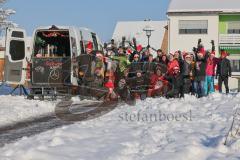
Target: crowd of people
point(133, 71)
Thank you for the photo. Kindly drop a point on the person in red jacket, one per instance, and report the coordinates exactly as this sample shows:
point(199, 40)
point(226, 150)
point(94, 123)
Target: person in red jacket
point(212, 62)
point(158, 85)
point(171, 64)
point(110, 86)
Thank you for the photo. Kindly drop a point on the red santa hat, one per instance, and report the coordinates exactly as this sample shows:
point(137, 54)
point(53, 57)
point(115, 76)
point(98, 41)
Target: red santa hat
point(136, 56)
point(213, 53)
point(224, 54)
point(202, 51)
point(129, 51)
point(139, 48)
point(109, 84)
point(89, 45)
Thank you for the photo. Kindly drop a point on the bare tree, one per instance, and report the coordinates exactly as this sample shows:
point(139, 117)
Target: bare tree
point(4, 15)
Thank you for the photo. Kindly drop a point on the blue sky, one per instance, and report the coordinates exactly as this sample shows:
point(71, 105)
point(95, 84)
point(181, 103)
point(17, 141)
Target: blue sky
point(99, 15)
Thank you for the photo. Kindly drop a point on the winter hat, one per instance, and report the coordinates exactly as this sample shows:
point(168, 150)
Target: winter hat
point(224, 53)
point(202, 51)
point(99, 55)
point(129, 51)
point(109, 84)
point(213, 53)
point(89, 45)
point(136, 56)
point(139, 48)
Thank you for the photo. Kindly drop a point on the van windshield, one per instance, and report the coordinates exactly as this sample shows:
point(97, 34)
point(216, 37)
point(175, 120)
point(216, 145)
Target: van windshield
point(52, 43)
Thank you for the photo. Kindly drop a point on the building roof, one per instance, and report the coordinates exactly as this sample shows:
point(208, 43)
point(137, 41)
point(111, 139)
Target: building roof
point(135, 29)
point(226, 6)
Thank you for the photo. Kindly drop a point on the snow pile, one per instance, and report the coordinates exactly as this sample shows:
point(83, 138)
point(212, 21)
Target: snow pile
point(15, 108)
point(175, 129)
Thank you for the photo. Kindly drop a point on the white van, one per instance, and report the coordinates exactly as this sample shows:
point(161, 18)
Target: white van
point(53, 55)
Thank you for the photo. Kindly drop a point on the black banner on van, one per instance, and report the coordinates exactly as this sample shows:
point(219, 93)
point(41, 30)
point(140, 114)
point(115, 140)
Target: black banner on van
point(51, 71)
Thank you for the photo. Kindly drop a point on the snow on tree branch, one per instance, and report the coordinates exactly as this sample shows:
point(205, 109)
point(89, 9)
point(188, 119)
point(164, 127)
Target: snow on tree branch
point(4, 15)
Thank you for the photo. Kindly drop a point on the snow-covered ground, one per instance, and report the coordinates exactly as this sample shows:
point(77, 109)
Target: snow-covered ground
point(16, 108)
point(176, 129)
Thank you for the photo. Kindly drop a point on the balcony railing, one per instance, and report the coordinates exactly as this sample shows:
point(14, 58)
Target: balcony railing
point(229, 39)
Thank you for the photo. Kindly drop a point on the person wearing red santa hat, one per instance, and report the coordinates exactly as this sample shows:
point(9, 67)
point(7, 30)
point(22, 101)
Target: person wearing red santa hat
point(89, 47)
point(224, 71)
point(200, 72)
point(137, 51)
point(139, 48)
point(111, 94)
point(186, 71)
point(158, 85)
point(86, 65)
point(171, 64)
point(176, 82)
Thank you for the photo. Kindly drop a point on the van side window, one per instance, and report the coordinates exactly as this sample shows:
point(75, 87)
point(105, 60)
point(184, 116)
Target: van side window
point(74, 47)
point(17, 34)
point(17, 50)
point(95, 43)
point(81, 43)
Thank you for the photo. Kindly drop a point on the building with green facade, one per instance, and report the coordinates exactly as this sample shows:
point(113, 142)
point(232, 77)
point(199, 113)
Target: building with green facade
point(229, 37)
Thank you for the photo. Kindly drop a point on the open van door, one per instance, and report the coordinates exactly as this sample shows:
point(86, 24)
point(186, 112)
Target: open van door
point(15, 56)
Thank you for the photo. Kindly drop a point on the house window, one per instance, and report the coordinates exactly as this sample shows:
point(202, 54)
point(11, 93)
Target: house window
point(235, 64)
point(193, 27)
point(234, 27)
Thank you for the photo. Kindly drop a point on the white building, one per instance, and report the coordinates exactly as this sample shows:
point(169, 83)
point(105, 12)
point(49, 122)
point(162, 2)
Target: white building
point(218, 20)
point(135, 29)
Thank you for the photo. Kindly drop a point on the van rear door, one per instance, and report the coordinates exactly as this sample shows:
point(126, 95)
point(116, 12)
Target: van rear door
point(15, 56)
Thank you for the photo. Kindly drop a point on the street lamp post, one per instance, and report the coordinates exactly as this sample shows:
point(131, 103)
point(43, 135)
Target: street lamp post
point(148, 31)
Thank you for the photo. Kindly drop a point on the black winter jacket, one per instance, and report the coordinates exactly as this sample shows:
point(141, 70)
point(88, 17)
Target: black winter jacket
point(224, 68)
point(200, 68)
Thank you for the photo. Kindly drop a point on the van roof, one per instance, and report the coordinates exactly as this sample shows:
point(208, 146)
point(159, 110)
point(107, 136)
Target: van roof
point(64, 27)
point(48, 27)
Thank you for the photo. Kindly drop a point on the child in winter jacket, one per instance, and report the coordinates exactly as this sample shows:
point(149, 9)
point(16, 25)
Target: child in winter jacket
point(212, 61)
point(158, 85)
point(176, 82)
point(171, 64)
point(224, 71)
